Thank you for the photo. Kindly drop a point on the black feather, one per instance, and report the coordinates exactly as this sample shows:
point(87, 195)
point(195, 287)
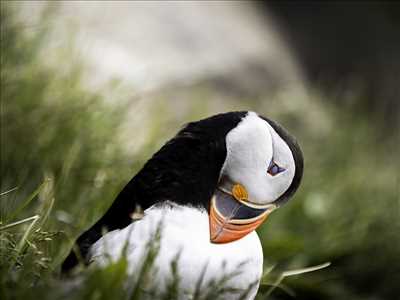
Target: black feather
point(185, 171)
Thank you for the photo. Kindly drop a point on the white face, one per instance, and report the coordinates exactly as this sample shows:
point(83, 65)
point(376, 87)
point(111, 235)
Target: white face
point(250, 148)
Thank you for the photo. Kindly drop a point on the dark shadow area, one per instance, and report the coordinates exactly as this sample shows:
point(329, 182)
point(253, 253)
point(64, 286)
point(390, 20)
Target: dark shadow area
point(348, 48)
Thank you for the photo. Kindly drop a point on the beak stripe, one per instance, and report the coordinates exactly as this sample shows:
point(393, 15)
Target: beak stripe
point(228, 209)
point(224, 230)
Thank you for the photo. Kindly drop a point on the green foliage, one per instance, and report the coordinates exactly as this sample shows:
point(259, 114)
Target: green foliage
point(54, 128)
point(24, 258)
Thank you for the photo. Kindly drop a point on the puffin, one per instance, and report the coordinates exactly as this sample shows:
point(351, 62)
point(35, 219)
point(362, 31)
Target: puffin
point(204, 192)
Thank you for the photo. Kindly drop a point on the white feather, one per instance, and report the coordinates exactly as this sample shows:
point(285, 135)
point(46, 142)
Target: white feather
point(184, 230)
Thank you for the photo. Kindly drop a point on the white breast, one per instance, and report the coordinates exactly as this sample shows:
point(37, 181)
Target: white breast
point(184, 231)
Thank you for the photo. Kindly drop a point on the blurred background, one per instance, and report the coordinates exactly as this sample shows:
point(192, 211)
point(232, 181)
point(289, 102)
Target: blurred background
point(90, 90)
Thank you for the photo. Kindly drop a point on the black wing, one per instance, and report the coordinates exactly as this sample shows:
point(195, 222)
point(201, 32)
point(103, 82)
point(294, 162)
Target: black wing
point(118, 216)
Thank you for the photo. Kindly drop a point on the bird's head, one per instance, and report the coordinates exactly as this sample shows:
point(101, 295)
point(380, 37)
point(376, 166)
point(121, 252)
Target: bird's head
point(239, 166)
point(262, 170)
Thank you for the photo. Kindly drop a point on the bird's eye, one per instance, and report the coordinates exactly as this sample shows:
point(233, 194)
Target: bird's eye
point(274, 169)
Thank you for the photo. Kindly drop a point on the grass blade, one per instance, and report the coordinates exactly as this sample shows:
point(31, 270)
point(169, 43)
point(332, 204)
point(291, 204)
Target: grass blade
point(27, 232)
point(18, 222)
point(293, 273)
point(9, 191)
point(47, 209)
point(27, 201)
point(305, 270)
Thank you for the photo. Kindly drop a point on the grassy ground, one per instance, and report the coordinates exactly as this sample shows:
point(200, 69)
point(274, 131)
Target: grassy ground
point(66, 152)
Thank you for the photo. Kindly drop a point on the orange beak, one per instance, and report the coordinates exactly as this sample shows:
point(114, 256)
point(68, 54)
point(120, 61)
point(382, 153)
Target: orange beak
point(231, 219)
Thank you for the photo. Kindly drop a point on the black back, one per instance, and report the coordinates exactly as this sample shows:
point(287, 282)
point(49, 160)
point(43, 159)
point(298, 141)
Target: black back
point(185, 170)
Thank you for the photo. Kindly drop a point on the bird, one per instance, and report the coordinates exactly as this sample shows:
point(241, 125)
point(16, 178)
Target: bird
point(206, 191)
